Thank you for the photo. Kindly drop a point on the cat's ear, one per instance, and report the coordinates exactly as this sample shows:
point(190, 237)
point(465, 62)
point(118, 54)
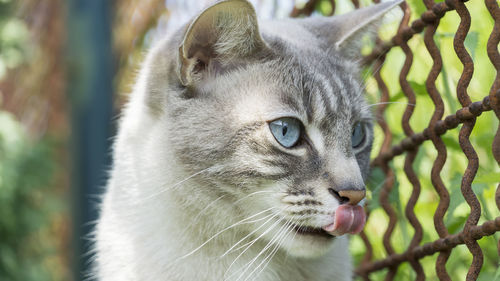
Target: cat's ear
point(221, 33)
point(344, 33)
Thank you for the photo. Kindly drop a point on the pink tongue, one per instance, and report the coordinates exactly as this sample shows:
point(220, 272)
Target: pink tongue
point(348, 219)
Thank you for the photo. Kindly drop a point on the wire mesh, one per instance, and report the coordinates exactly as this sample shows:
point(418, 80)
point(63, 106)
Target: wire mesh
point(438, 126)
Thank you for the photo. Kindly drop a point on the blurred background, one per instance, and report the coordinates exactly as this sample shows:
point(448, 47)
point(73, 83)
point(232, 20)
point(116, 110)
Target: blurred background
point(67, 67)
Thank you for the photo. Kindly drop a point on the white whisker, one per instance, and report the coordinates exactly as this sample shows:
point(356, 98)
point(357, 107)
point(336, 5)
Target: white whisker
point(197, 217)
point(225, 229)
point(248, 235)
point(253, 193)
point(389, 102)
point(269, 244)
point(284, 235)
point(288, 232)
point(255, 240)
point(294, 235)
point(173, 186)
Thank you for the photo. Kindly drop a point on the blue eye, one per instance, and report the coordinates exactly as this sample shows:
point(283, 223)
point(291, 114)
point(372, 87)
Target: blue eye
point(286, 131)
point(358, 135)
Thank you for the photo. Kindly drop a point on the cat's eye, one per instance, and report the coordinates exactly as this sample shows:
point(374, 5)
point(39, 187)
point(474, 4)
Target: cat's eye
point(286, 131)
point(358, 135)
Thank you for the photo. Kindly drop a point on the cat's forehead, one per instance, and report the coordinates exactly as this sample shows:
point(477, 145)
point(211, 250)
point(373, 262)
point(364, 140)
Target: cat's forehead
point(317, 88)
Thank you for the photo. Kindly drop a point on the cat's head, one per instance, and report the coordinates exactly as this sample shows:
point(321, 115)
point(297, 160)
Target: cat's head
point(272, 117)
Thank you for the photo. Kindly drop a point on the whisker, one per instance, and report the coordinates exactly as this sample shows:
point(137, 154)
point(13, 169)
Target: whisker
point(389, 102)
point(293, 238)
point(246, 244)
point(269, 257)
point(276, 249)
point(225, 229)
point(372, 73)
point(248, 235)
point(241, 247)
point(174, 186)
point(253, 193)
point(197, 217)
point(255, 240)
point(269, 244)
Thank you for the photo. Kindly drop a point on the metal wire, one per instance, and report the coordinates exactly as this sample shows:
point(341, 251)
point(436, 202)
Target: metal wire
point(467, 116)
point(412, 154)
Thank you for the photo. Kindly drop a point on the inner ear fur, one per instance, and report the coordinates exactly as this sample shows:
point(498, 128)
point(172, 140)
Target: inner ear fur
point(223, 32)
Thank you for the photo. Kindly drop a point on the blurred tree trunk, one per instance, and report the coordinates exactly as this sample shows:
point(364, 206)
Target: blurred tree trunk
point(90, 95)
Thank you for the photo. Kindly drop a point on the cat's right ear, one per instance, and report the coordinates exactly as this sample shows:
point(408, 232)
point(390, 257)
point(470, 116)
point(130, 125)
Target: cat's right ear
point(344, 33)
point(223, 32)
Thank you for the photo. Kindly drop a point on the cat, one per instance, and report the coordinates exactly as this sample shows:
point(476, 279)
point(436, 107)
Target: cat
point(242, 153)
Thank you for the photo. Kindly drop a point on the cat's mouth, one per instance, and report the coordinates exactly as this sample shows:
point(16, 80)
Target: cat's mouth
point(347, 219)
point(312, 231)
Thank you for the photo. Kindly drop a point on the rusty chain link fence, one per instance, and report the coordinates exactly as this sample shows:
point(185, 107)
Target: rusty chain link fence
point(466, 116)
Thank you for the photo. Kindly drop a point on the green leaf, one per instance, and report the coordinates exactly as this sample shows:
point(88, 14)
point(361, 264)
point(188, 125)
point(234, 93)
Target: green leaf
point(421, 155)
point(448, 96)
point(451, 143)
point(374, 184)
point(471, 42)
point(376, 178)
point(456, 223)
point(456, 199)
point(418, 88)
point(479, 189)
point(395, 198)
point(493, 177)
point(400, 95)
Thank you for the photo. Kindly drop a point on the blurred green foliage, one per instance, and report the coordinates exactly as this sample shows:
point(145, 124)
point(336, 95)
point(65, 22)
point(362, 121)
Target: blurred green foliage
point(13, 38)
point(25, 173)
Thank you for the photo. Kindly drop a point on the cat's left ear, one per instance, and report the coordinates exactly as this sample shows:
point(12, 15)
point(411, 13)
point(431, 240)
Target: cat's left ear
point(221, 34)
point(344, 33)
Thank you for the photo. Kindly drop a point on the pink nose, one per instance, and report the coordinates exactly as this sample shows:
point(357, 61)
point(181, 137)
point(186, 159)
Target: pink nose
point(353, 196)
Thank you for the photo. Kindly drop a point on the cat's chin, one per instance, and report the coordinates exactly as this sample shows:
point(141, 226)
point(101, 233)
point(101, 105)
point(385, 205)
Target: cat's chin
point(309, 245)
